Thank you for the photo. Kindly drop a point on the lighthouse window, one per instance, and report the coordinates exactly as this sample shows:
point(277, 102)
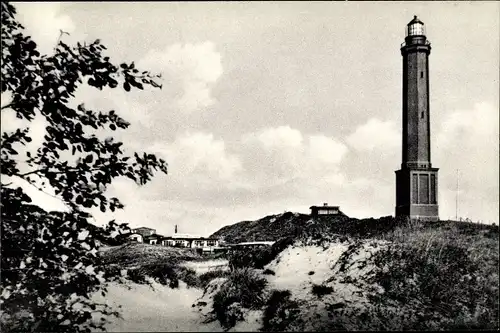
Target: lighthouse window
point(421, 74)
point(422, 115)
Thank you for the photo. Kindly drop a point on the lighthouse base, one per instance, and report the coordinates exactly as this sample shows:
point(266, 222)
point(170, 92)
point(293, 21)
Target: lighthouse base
point(416, 193)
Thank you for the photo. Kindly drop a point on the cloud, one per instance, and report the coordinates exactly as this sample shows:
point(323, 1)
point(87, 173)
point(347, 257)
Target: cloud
point(279, 137)
point(326, 150)
point(43, 21)
point(467, 141)
point(189, 72)
point(198, 153)
point(269, 171)
point(281, 154)
point(375, 135)
point(200, 167)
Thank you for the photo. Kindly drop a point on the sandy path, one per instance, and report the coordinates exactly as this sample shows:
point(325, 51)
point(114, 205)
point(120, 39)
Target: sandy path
point(146, 309)
point(159, 309)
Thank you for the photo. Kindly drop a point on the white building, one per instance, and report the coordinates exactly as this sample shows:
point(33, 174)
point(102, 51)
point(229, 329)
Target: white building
point(136, 238)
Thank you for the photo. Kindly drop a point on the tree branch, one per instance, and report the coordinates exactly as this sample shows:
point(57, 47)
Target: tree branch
point(55, 172)
point(39, 189)
point(31, 172)
point(6, 106)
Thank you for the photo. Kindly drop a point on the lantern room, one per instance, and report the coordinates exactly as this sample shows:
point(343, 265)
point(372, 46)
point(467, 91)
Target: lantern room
point(415, 27)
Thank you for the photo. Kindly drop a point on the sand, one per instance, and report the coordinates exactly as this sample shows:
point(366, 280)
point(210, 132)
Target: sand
point(160, 308)
point(170, 310)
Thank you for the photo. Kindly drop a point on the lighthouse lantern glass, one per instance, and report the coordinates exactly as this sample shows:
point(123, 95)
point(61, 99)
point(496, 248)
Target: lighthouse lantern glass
point(416, 29)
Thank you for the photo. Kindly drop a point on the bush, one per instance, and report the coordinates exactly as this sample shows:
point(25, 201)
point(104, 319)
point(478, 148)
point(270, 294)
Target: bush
point(166, 274)
point(188, 275)
point(280, 312)
point(258, 257)
point(320, 290)
point(428, 283)
point(243, 286)
point(268, 271)
point(205, 278)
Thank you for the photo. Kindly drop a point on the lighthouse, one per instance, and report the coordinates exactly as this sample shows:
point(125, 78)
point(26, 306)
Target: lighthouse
point(417, 180)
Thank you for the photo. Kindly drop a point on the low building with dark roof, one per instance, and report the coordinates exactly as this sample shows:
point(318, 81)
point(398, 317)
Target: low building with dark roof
point(325, 210)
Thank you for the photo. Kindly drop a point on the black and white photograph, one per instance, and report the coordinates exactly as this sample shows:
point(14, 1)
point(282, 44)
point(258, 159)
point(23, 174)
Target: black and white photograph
point(249, 166)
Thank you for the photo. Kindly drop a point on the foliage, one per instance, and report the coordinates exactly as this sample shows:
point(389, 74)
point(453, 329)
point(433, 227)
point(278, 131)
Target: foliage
point(258, 257)
point(205, 278)
point(420, 275)
point(138, 254)
point(268, 271)
point(143, 261)
point(320, 290)
point(280, 312)
point(168, 274)
point(432, 280)
point(270, 228)
point(243, 286)
point(50, 265)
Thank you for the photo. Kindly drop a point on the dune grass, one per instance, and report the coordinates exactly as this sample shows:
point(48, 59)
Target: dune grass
point(280, 312)
point(244, 289)
point(143, 261)
point(434, 275)
point(439, 275)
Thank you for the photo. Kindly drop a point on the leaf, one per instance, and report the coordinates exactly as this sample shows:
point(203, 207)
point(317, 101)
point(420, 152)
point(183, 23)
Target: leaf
point(126, 86)
point(112, 127)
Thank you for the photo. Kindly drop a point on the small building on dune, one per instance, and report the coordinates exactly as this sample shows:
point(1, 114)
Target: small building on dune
point(325, 210)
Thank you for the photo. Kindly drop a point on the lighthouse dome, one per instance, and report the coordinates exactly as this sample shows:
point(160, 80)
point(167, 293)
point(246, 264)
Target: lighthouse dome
point(415, 27)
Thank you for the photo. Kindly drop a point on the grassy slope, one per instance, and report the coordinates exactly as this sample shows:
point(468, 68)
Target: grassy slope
point(140, 261)
point(138, 254)
point(167, 265)
point(447, 272)
point(436, 275)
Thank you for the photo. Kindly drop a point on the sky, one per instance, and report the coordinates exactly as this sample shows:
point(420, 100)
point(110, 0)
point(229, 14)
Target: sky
point(269, 107)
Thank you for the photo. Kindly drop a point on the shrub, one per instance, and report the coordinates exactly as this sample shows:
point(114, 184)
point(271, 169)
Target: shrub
point(166, 274)
point(310, 273)
point(258, 257)
point(188, 275)
point(280, 312)
point(320, 290)
point(428, 283)
point(243, 286)
point(205, 278)
point(268, 271)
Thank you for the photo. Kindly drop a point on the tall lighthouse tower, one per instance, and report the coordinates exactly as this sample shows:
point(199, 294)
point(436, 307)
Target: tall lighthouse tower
point(416, 181)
